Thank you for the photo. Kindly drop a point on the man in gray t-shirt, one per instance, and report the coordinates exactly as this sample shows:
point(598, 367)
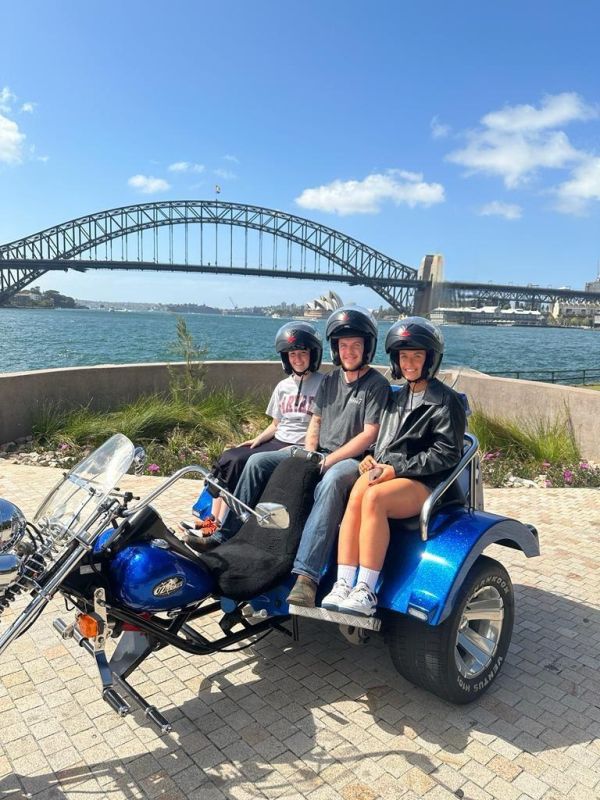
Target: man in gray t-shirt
point(346, 415)
point(344, 424)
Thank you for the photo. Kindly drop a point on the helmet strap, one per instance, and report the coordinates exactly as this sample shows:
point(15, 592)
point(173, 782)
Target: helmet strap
point(299, 392)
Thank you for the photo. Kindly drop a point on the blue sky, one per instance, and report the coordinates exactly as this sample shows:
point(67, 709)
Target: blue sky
point(463, 128)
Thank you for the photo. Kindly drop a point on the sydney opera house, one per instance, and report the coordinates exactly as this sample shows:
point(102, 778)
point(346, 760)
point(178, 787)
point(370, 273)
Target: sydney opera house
point(323, 306)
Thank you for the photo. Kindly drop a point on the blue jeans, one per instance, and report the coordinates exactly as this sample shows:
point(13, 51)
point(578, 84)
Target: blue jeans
point(253, 480)
point(321, 527)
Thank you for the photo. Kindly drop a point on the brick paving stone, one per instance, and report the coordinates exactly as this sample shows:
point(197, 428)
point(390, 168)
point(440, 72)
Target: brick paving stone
point(531, 785)
point(352, 724)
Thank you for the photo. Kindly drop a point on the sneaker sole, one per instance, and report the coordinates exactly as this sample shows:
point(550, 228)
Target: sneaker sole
point(358, 612)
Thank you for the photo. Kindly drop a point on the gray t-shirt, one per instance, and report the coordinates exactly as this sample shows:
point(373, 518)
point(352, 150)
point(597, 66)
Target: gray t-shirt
point(414, 400)
point(345, 408)
point(291, 409)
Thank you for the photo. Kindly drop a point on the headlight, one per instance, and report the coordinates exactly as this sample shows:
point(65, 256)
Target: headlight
point(12, 526)
point(9, 570)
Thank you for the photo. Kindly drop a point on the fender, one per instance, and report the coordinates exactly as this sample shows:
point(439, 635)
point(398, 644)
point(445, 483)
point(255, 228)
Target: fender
point(422, 579)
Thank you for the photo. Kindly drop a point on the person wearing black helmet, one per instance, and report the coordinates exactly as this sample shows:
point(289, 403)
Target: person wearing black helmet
point(300, 348)
point(420, 441)
point(344, 424)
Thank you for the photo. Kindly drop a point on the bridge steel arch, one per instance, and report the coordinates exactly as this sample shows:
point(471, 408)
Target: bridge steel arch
point(62, 246)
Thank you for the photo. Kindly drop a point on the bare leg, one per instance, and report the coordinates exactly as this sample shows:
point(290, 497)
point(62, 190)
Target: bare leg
point(219, 508)
point(396, 499)
point(350, 526)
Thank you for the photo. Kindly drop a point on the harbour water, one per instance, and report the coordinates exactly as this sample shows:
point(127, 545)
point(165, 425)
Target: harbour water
point(44, 338)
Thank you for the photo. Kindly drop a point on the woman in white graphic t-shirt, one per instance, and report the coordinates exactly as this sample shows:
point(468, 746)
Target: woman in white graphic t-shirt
point(290, 407)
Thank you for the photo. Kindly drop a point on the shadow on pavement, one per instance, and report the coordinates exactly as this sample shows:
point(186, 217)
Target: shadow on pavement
point(320, 704)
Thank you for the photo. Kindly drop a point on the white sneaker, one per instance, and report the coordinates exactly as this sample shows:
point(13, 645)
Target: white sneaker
point(337, 595)
point(361, 600)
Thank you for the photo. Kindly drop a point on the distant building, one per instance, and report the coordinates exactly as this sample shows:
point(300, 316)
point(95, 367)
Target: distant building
point(575, 310)
point(593, 286)
point(323, 306)
point(488, 315)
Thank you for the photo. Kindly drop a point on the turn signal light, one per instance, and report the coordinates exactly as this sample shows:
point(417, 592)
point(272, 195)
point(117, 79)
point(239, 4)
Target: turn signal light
point(88, 626)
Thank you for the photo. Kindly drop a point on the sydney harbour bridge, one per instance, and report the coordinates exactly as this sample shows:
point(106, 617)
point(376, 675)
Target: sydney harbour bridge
point(214, 237)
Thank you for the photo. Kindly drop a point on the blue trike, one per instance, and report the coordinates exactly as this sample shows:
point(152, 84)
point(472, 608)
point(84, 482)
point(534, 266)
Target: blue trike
point(445, 608)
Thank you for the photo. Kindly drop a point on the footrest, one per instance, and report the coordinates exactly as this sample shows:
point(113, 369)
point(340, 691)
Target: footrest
point(355, 620)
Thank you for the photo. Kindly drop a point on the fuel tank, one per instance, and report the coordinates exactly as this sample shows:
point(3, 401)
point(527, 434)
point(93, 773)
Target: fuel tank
point(146, 576)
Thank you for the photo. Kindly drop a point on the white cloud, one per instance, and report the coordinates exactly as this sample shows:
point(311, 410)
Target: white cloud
point(555, 110)
point(11, 141)
point(515, 142)
point(225, 174)
point(498, 209)
point(7, 98)
point(186, 166)
point(573, 196)
point(438, 129)
point(147, 184)
point(28, 108)
point(231, 158)
point(514, 157)
point(366, 196)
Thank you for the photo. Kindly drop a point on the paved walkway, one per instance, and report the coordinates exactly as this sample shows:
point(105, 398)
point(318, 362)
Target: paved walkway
point(322, 719)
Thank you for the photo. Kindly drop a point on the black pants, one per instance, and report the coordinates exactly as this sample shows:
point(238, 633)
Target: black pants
point(231, 463)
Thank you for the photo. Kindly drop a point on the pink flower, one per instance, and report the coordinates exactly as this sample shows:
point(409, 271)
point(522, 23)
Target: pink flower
point(547, 484)
point(153, 468)
point(546, 464)
point(568, 476)
point(584, 465)
point(63, 446)
point(490, 456)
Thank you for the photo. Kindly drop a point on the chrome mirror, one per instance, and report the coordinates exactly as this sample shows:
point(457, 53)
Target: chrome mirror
point(12, 525)
point(139, 460)
point(272, 515)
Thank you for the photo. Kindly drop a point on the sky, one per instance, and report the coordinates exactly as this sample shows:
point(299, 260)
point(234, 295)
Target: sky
point(469, 129)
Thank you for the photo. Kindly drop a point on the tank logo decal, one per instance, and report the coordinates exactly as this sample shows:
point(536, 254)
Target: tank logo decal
point(168, 586)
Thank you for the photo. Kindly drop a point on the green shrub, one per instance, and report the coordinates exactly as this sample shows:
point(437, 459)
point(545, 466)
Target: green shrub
point(537, 439)
point(535, 449)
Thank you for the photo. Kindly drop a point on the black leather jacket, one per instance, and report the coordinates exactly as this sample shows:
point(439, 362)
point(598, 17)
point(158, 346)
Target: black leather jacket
point(430, 442)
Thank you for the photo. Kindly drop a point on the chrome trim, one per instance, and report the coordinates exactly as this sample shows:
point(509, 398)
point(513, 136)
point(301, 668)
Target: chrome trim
point(239, 508)
point(429, 504)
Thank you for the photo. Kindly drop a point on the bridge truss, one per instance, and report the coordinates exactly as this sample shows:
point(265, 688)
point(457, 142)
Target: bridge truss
point(209, 237)
point(456, 294)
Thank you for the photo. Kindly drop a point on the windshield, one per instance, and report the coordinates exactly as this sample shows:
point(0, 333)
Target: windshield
point(84, 488)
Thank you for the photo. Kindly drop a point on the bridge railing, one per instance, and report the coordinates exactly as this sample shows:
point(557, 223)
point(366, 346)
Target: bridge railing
point(569, 377)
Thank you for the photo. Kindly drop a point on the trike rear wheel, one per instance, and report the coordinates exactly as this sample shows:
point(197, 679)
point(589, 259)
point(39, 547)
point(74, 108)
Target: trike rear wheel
point(459, 659)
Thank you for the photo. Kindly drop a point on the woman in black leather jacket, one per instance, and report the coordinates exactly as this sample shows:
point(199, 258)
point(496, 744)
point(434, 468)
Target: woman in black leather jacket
point(420, 442)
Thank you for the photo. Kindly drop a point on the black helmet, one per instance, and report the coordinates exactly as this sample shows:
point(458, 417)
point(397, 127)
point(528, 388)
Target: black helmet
point(415, 333)
point(352, 321)
point(299, 336)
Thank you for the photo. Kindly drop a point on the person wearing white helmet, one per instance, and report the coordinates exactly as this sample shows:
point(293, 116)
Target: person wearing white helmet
point(420, 441)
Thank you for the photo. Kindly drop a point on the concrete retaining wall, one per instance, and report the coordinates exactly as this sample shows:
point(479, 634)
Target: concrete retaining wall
point(23, 395)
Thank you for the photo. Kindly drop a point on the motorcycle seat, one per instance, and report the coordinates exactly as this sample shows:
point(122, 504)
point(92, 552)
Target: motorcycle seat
point(256, 559)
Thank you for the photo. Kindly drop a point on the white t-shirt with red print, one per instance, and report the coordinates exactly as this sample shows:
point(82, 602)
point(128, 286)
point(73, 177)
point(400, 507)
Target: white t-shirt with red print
point(291, 409)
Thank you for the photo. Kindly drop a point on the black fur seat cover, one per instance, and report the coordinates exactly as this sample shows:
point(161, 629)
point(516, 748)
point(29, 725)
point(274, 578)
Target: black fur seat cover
point(256, 559)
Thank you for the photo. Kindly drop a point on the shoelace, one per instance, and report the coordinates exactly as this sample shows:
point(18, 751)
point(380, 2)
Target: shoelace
point(362, 592)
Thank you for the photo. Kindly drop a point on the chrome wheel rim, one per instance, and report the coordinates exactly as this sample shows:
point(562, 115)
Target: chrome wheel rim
point(479, 632)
